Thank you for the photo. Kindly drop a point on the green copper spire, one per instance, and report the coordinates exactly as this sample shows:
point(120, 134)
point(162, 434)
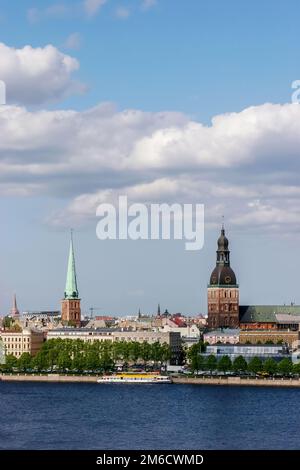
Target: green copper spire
point(71, 291)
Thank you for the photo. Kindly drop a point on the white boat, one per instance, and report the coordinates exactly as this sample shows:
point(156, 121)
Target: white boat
point(135, 379)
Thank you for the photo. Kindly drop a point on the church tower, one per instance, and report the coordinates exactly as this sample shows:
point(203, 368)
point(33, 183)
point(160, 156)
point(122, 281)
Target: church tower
point(223, 290)
point(14, 311)
point(70, 306)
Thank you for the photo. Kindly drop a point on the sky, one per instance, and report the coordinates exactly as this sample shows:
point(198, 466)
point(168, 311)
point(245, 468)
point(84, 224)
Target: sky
point(166, 101)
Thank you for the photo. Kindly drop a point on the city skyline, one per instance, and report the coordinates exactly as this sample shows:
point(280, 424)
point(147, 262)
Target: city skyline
point(71, 292)
point(161, 103)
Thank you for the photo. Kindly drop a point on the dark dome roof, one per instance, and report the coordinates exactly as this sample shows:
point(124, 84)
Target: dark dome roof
point(223, 275)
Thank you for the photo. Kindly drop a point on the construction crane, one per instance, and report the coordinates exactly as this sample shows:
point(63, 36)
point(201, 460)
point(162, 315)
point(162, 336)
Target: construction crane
point(92, 310)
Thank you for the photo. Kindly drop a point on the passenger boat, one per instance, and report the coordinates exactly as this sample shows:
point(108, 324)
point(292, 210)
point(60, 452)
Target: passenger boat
point(135, 379)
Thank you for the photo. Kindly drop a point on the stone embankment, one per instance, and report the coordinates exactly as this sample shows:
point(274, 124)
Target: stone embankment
point(240, 381)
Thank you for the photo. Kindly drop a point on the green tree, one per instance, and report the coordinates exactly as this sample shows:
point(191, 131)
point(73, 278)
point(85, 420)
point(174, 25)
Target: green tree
point(64, 361)
point(255, 365)
point(135, 351)
point(270, 366)
point(92, 360)
point(239, 364)
point(78, 361)
point(198, 363)
point(24, 362)
point(156, 352)
point(296, 368)
point(285, 366)
point(195, 350)
point(40, 361)
point(145, 351)
point(10, 362)
point(211, 363)
point(166, 352)
point(224, 364)
point(7, 322)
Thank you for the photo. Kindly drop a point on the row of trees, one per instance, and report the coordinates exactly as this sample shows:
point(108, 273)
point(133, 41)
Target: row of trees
point(239, 365)
point(78, 356)
point(199, 362)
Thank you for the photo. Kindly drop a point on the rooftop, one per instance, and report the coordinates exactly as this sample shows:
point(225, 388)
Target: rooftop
point(225, 332)
point(267, 313)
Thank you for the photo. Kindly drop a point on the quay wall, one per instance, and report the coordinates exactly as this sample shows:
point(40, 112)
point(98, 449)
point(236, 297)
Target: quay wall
point(240, 381)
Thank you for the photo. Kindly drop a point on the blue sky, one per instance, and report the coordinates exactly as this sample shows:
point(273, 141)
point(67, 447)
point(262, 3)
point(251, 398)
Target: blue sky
point(208, 89)
point(198, 57)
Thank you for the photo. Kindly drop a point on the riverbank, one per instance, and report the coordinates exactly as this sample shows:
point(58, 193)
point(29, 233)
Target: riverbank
point(233, 381)
point(240, 381)
point(48, 378)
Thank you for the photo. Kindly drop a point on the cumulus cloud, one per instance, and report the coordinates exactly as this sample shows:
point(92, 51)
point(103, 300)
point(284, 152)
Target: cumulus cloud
point(244, 165)
point(37, 75)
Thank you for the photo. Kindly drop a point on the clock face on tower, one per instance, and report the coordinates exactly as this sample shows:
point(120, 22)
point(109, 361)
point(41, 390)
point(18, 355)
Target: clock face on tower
point(227, 279)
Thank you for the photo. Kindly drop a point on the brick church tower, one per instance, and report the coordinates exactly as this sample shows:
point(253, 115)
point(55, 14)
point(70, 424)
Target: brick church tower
point(223, 290)
point(70, 305)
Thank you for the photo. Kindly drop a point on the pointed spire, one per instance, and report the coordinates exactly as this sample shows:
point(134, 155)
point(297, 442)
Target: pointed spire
point(139, 315)
point(158, 309)
point(71, 291)
point(14, 310)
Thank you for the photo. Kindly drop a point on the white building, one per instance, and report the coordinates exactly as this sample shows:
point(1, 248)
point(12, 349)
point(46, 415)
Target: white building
point(231, 336)
point(2, 352)
point(191, 331)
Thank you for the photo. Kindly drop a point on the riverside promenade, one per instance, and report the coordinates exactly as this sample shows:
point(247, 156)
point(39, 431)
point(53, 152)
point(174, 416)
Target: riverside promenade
point(227, 381)
point(240, 381)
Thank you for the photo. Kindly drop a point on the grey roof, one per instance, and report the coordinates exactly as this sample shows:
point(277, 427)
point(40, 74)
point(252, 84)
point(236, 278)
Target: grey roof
point(287, 318)
point(225, 332)
point(266, 313)
point(85, 330)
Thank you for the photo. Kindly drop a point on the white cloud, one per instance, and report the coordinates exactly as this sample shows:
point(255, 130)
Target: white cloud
point(245, 165)
point(37, 75)
point(60, 11)
point(56, 11)
point(122, 13)
point(92, 7)
point(147, 4)
point(73, 41)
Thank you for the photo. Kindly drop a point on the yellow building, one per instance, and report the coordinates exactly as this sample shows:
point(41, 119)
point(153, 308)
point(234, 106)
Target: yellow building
point(27, 341)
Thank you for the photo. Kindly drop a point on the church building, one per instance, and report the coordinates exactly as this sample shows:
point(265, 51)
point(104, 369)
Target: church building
point(70, 306)
point(223, 290)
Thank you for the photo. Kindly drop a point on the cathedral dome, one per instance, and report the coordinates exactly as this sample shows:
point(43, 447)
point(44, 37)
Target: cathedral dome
point(223, 275)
